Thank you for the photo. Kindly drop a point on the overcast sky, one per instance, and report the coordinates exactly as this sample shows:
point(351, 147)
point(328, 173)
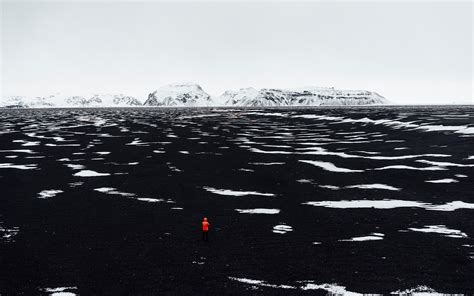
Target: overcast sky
point(409, 52)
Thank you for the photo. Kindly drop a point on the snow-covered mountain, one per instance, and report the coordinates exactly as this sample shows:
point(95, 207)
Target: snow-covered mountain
point(192, 95)
point(183, 94)
point(65, 101)
point(310, 96)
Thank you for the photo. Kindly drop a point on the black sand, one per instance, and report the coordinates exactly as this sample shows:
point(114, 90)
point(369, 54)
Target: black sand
point(105, 244)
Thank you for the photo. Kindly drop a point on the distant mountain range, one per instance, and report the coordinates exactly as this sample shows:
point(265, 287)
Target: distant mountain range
point(310, 96)
point(63, 101)
point(192, 95)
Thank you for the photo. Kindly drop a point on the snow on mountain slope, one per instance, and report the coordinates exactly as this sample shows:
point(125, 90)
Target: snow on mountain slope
point(310, 96)
point(231, 97)
point(184, 94)
point(119, 100)
point(192, 95)
point(60, 100)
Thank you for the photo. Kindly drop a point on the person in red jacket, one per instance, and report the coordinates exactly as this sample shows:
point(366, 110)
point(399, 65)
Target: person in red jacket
point(205, 230)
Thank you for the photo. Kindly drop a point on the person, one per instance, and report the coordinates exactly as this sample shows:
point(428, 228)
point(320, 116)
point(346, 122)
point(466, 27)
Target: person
point(205, 230)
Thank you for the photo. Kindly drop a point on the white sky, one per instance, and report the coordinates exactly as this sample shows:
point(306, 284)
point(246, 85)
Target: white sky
point(409, 52)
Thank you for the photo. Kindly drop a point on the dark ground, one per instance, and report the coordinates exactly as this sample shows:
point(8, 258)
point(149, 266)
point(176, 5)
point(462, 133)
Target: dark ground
point(105, 244)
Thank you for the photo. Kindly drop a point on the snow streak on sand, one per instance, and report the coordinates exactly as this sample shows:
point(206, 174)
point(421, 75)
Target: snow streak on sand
point(461, 129)
point(330, 167)
point(371, 237)
point(266, 114)
point(111, 190)
point(235, 193)
point(406, 167)
point(374, 186)
point(49, 193)
point(282, 229)
point(256, 150)
point(8, 234)
point(18, 166)
point(102, 152)
point(260, 283)
point(61, 291)
point(331, 289)
point(322, 151)
point(442, 181)
point(89, 173)
point(75, 166)
point(452, 206)
point(258, 211)
point(441, 229)
point(445, 164)
point(418, 291)
point(332, 187)
point(114, 191)
point(137, 142)
point(27, 151)
point(390, 204)
point(27, 143)
point(148, 199)
point(266, 163)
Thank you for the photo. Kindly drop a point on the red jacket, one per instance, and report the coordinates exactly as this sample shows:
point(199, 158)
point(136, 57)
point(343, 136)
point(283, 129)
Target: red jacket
point(205, 226)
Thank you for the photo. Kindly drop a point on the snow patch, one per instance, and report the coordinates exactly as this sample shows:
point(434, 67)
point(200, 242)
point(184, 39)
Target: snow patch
point(76, 166)
point(235, 193)
point(266, 163)
point(332, 289)
point(61, 291)
point(390, 204)
point(111, 190)
point(27, 151)
point(442, 181)
point(445, 164)
point(148, 199)
point(258, 211)
point(332, 187)
point(8, 234)
point(49, 193)
point(102, 152)
point(89, 173)
point(330, 167)
point(417, 291)
point(374, 186)
point(441, 229)
point(406, 167)
point(27, 143)
point(18, 166)
point(371, 237)
point(282, 228)
point(260, 283)
point(462, 129)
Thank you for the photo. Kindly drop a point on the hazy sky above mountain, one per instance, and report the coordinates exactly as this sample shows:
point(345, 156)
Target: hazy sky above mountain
point(409, 52)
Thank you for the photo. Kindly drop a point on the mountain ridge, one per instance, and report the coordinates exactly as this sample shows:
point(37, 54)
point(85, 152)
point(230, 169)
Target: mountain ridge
point(190, 94)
